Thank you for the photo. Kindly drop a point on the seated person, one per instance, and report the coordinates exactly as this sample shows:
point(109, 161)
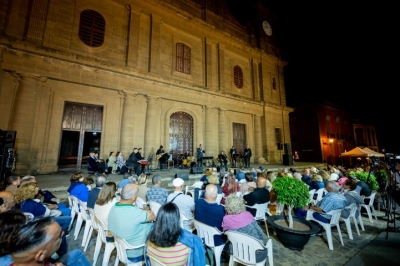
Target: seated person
point(240, 220)
point(249, 185)
point(208, 211)
point(258, 196)
point(94, 193)
point(229, 186)
point(81, 191)
point(351, 196)
point(314, 182)
point(37, 240)
point(172, 245)
point(223, 160)
point(333, 200)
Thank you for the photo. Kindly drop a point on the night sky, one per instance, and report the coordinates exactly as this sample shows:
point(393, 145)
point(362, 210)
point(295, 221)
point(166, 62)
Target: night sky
point(343, 54)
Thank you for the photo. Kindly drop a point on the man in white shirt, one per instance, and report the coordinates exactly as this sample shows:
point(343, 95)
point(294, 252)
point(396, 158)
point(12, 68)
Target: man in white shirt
point(184, 202)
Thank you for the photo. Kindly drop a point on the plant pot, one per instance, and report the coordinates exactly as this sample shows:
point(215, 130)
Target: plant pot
point(293, 239)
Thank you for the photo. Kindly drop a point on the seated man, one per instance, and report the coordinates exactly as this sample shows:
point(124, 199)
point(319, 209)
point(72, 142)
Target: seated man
point(132, 162)
point(37, 240)
point(94, 193)
point(157, 193)
point(184, 202)
point(241, 174)
point(333, 200)
point(223, 160)
point(259, 195)
point(131, 223)
point(208, 211)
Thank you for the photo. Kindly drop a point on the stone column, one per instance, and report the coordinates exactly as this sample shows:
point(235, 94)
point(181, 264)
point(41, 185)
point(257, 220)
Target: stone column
point(222, 132)
point(9, 90)
point(152, 126)
point(127, 125)
point(208, 138)
point(257, 138)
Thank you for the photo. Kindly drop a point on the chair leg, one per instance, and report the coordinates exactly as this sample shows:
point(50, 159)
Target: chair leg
point(369, 213)
point(266, 227)
point(356, 225)
point(329, 237)
point(270, 253)
point(348, 227)
point(72, 220)
point(231, 262)
point(78, 227)
point(217, 254)
point(97, 248)
point(361, 222)
point(116, 261)
point(89, 236)
point(373, 211)
point(339, 233)
point(88, 225)
point(107, 253)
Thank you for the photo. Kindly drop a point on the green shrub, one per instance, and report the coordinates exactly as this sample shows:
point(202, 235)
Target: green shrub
point(291, 191)
point(363, 176)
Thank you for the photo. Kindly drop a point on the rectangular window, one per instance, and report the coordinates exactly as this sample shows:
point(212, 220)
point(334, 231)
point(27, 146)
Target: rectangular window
point(182, 58)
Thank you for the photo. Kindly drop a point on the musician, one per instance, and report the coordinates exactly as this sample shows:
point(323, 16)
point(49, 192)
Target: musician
point(223, 160)
point(140, 157)
point(232, 152)
point(247, 155)
point(159, 155)
point(133, 161)
point(200, 152)
point(186, 154)
point(96, 164)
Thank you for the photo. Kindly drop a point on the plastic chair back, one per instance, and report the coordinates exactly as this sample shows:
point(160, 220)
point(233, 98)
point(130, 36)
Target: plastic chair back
point(140, 202)
point(219, 198)
point(245, 247)
point(154, 207)
point(260, 214)
point(206, 233)
point(183, 218)
point(154, 261)
point(122, 247)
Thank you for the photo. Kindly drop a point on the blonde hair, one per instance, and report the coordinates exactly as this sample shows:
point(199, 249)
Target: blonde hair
point(234, 204)
point(107, 193)
point(24, 192)
point(213, 179)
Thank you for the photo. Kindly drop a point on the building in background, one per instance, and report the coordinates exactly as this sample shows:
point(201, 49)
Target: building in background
point(110, 75)
point(365, 135)
point(321, 132)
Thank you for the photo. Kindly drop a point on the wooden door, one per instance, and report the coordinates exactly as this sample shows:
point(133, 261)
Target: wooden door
point(180, 133)
point(81, 132)
point(239, 137)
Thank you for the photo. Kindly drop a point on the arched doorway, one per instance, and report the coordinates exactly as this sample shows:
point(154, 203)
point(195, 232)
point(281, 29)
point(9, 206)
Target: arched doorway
point(81, 132)
point(180, 134)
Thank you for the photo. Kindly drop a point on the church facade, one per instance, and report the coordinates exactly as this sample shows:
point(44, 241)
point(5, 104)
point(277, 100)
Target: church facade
point(111, 75)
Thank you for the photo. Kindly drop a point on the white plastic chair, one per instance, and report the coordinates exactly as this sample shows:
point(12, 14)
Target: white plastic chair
point(73, 210)
point(94, 226)
point(260, 214)
point(328, 226)
point(190, 188)
point(184, 218)
point(154, 261)
point(79, 219)
point(370, 206)
point(122, 247)
point(320, 194)
point(312, 192)
point(207, 233)
point(140, 202)
point(353, 209)
point(154, 207)
point(101, 238)
point(244, 249)
point(84, 217)
point(219, 198)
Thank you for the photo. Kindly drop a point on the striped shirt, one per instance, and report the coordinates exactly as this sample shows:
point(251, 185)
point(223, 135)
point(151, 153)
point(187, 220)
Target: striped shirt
point(175, 255)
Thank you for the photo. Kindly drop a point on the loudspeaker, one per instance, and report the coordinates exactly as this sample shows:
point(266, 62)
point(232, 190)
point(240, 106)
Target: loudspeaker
point(287, 148)
point(10, 138)
point(198, 170)
point(184, 176)
point(279, 146)
point(287, 159)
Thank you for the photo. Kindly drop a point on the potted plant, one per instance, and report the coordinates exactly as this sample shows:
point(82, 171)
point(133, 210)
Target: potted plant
point(294, 233)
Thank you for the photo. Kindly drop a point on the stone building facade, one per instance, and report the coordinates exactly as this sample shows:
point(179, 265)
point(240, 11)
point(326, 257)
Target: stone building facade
point(116, 74)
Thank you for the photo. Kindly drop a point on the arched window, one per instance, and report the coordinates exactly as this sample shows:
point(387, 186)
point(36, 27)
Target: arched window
point(238, 76)
point(92, 27)
point(182, 58)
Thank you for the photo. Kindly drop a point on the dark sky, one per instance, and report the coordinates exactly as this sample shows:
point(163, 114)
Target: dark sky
point(343, 54)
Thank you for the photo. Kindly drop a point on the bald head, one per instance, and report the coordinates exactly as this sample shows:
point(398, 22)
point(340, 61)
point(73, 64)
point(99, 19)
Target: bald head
point(129, 191)
point(211, 193)
point(261, 182)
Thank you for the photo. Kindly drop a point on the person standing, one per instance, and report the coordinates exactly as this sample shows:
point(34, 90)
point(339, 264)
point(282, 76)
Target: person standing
point(232, 152)
point(247, 156)
point(200, 152)
point(159, 155)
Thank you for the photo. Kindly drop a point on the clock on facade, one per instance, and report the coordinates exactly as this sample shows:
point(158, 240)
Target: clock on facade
point(267, 28)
